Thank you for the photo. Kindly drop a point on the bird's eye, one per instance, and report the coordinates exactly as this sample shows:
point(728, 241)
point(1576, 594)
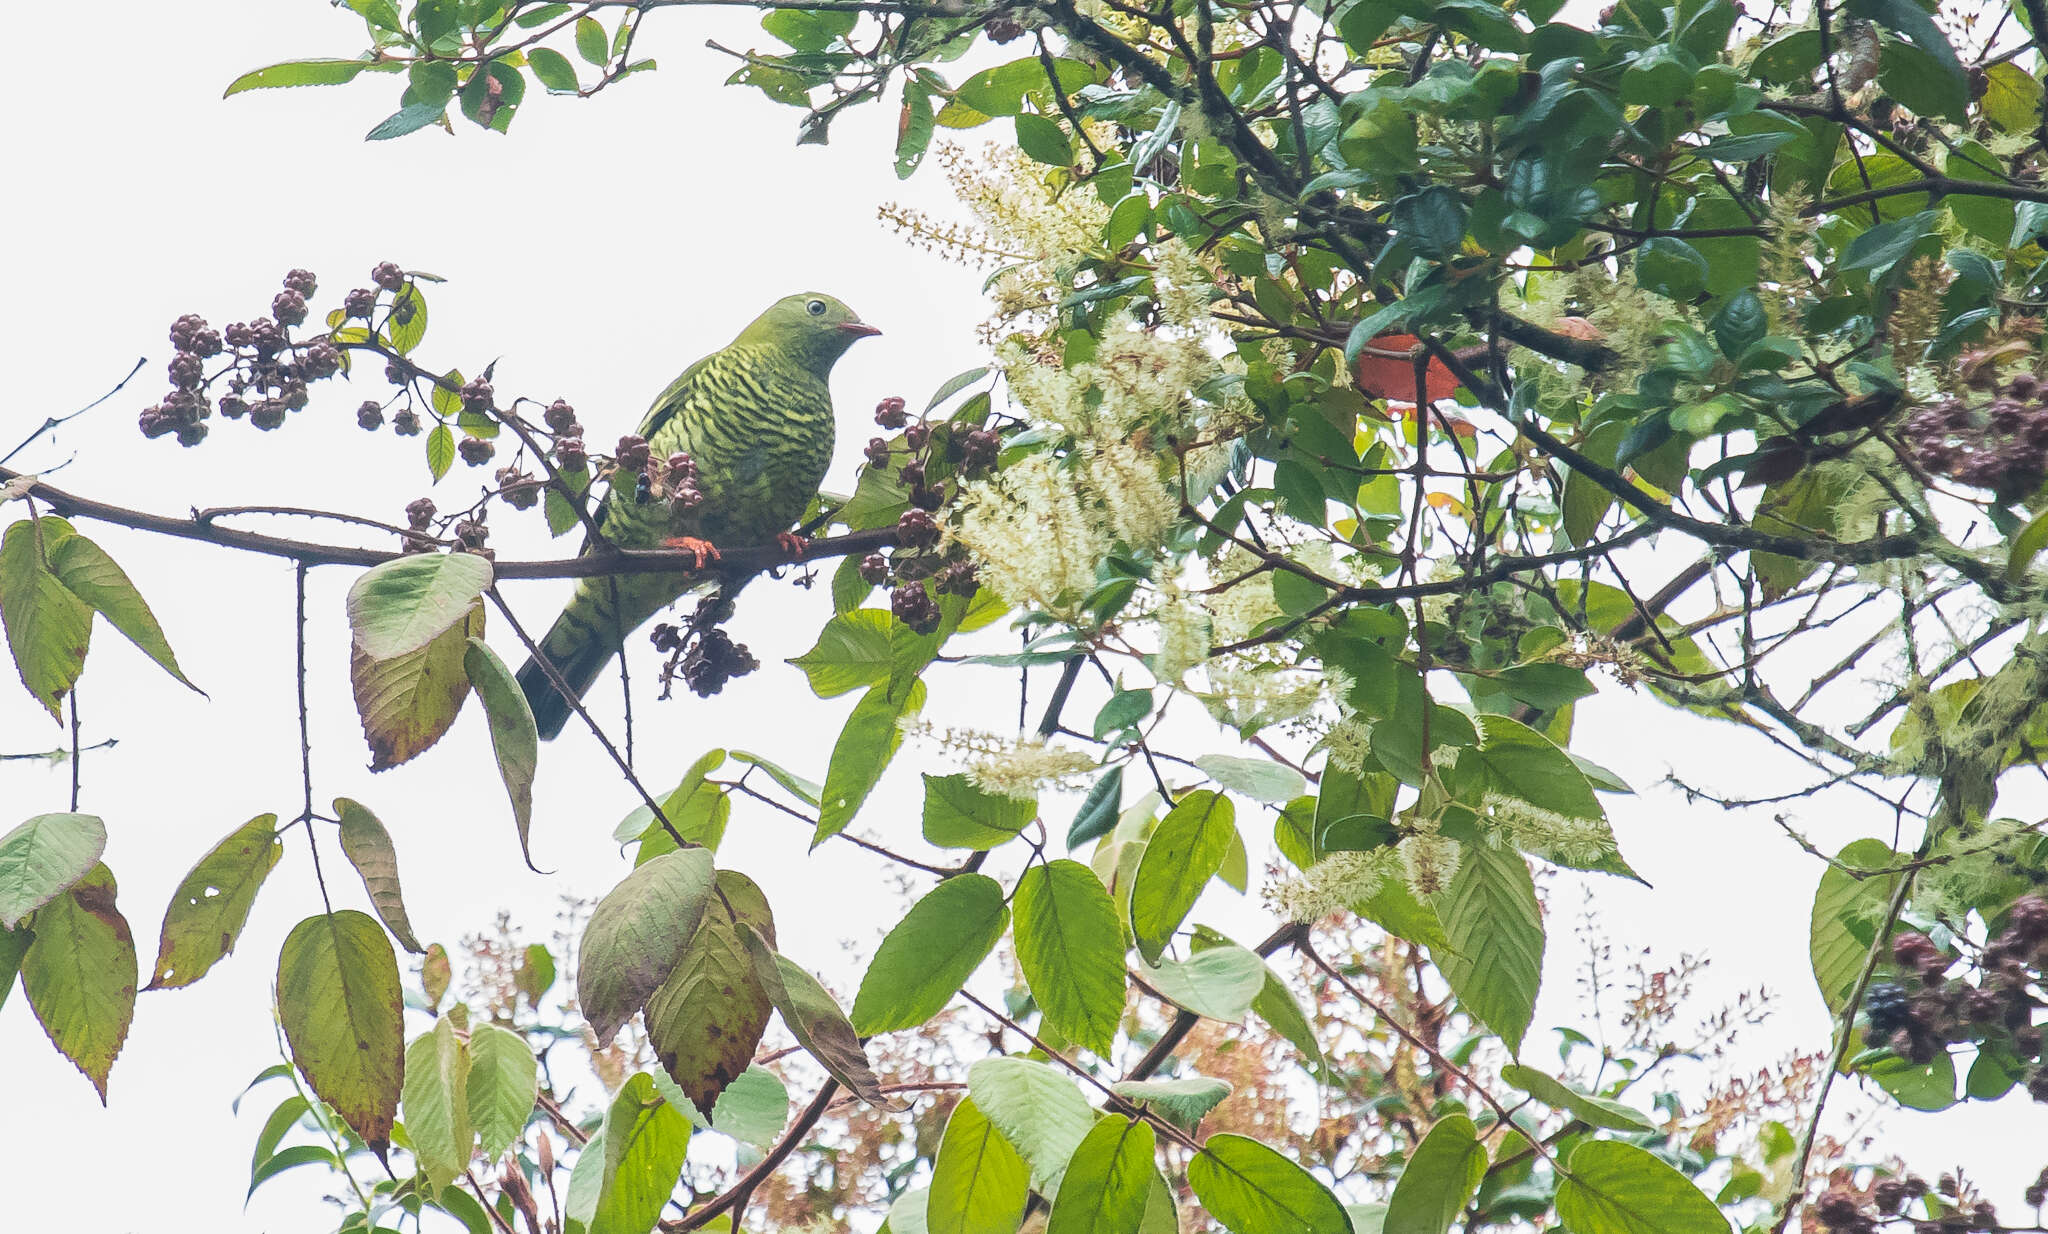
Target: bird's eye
point(815, 308)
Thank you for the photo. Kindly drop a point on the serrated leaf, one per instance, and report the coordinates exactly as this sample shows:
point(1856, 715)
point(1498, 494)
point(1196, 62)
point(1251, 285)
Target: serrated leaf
point(1439, 1179)
point(339, 1003)
point(1185, 851)
point(1070, 947)
point(440, 441)
point(503, 1083)
point(404, 604)
point(812, 1016)
point(212, 903)
point(930, 954)
point(1184, 1100)
point(637, 934)
point(862, 753)
point(1524, 763)
point(48, 628)
point(368, 847)
point(852, 651)
point(1217, 982)
point(979, 1182)
point(79, 974)
point(1038, 1110)
point(436, 1104)
point(1252, 1189)
point(706, 1018)
point(645, 1143)
point(88, 573)
point(42, 858)
point(1616, 1188)
point(957, 814)
point(297, 73)
point(408, 702)
point(411, 118)
point(1495, 929)
point(1108, 1181)
point(514, 738)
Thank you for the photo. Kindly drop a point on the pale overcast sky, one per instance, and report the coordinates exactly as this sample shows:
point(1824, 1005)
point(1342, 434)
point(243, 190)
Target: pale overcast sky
point(595, 251)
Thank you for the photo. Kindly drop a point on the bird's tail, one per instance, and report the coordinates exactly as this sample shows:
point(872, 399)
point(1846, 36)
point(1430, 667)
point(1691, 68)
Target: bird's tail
point(590, 631)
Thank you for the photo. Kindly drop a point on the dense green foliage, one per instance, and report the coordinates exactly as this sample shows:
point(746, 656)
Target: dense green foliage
point(1352, 367)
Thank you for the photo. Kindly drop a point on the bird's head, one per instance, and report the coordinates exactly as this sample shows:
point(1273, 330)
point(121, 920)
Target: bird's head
point(811, 326)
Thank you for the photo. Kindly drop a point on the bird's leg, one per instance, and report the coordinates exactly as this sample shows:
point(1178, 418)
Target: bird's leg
point(792, 544)
point(703, 550)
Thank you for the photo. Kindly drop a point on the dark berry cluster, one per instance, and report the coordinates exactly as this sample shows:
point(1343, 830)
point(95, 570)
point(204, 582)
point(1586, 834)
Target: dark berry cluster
point(1997, 1008)
point(715, 660)
point(927, 459)
point(2000, 445)
point(914, 607)
point(1847, 1210)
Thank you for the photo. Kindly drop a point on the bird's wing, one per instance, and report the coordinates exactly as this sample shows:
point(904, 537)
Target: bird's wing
point(670, 400)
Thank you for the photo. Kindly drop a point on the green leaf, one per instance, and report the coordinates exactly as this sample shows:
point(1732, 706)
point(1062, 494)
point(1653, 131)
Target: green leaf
point(48, 628)
point(852, 651)
point(1588, 1109)
point(440, 446)
point(1070, 947)
point(862, 754)
point(591, 43)
point(813, 1017)
point(281, 1120)
point(1098, 809)
point(636, 936)
point(1217, 982)
point(368, 847)
point(753, 1109)
point(1038, 1110)
point(1616, 1188)
point(1916, 23)
point(1886, 244)
point(1847, 912)
point(2012, 97)
point(706, 1018)
point(1184, 1100)
point(411, 118)
point(291, 1158)
point(339, 1002)
point(406, 603)
point(645, 1143)
point(79, 974)
point(1252, 1189)
point(212, 902)
point(959, 815)
point(552, 69)
point(1277, 1006)
point(979, 1183)
point(1495, 929)
point(535, 973)
point(88, 573)
point(406, 703)
point(1524, 763)
point(1260, 779)
point(514, 739)
point(1043, 139)
point(42, 858)
point(587, 1177)
point(13, 945)
point(297, 73)
point(930, 954)
point(1439, 1179)
point(1185, 851)
point(436, 1104)
point(686, 799)
point(1108, 1180)
point(802, 788)
point(504, 1082)
point(1928, 1086)
point(1671, 268)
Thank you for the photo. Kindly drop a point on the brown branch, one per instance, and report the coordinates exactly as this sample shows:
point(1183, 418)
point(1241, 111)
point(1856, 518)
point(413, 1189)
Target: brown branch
point(702, 1215)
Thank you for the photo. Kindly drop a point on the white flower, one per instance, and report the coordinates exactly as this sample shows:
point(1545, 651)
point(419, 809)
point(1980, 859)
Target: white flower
point(1035, 537)
point(1335, 883)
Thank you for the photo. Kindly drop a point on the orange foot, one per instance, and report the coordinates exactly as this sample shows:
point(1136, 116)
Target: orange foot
point(703, 550)
point(792, 544)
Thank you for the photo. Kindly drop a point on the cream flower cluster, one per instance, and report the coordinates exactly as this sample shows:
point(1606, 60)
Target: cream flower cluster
point(1011, 768)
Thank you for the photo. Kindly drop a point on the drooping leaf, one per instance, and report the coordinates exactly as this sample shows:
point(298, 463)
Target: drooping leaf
point(1184, 1100)
point(368, 847)
point(1252, 1189)
point(503, 1082)
point(514, 739)
point(406, 703)
point(1185, 851)
point(1107, 1181)
point(636, 935)
point(645, 1143)
point(43, 857)
point(408, 602)
point(1617, 1188)
point(79, 974)
point(805, 791)
point(979, 1182)
point(959, 815)
point(212, 903)
point(13, 945)
point(812, 1016)
point(928, 955)
point(48, 628)
point(1038, 1110)
point(435, 1100)
point(1282, 1012)
point(88, 573)
point(1439, 1179)
point(1098, 809)
point(706, 1018)
point(1070, 947)
point(1495, 930)
point(862, 754)
point(339, 1002)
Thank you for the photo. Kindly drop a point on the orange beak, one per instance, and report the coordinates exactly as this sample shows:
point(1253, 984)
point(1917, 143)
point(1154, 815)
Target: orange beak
point(858, 329)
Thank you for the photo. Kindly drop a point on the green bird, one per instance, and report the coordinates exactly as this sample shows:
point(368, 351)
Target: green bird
point(756, 420)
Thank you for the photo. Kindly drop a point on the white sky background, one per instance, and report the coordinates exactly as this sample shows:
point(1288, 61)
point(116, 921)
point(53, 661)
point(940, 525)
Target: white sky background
point(597, 250)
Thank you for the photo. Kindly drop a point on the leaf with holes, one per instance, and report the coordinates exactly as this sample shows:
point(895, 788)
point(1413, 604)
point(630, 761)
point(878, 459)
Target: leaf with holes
point(212, 903)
